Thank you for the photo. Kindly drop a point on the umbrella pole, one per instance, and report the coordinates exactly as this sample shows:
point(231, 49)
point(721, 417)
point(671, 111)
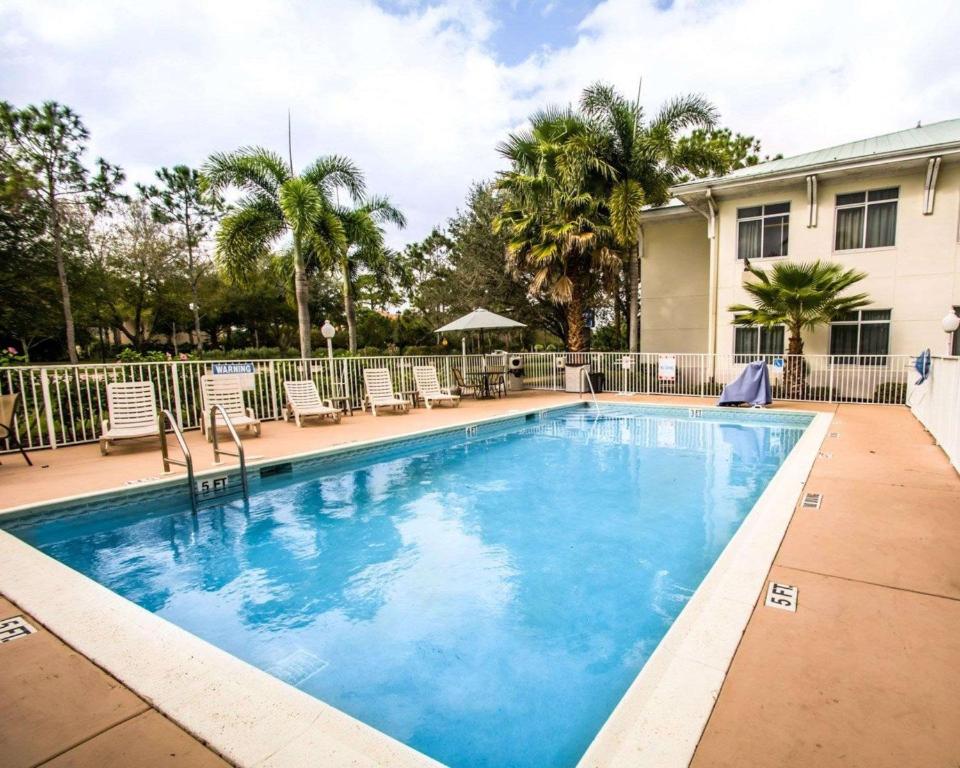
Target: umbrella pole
point(463, 357)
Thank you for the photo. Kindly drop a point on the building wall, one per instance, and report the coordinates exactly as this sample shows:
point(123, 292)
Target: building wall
point(673, 278)
point(918, 278)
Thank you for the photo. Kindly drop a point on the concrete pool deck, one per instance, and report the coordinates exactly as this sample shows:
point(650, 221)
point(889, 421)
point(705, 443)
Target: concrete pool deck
point(861, 674)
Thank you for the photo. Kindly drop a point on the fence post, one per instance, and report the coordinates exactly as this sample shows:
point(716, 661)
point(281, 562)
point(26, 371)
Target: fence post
point(48, 407)
point(176, 394)
point(830, 367)
point(272, 389)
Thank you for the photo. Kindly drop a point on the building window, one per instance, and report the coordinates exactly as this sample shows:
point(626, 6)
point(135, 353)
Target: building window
point(861, 338)
point(751, 342)
point(955, 346)
point(867, 219)
point(762, 231)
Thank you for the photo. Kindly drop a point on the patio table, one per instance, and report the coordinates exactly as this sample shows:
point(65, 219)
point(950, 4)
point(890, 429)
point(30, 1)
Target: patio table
point(482, 380)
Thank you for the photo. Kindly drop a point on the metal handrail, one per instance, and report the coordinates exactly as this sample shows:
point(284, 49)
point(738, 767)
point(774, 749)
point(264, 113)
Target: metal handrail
point(218, 451)
point(187, 461)
point(585, 372)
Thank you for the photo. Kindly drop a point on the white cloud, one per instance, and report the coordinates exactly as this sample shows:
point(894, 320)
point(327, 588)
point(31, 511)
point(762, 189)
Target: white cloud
point(419, 101)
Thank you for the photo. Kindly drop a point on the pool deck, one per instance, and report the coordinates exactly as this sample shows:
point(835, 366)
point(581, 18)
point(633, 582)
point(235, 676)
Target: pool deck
point(864, 673)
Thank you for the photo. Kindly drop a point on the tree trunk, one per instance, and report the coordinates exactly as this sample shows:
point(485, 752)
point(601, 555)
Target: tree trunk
point(196, 321)
point(617, 319)
point(794, 380)
point(348, 306)
point(578, 335)
point(303, 296)
point(57, 237)
point(633, 298)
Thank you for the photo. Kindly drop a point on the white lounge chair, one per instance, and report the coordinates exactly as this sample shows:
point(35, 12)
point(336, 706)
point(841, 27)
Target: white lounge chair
point(132, 406)
point(428, 385)
point(380, 391)
point(225, 391)
point(303, 400)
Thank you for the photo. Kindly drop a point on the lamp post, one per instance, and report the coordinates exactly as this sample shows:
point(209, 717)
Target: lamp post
point(950, 323)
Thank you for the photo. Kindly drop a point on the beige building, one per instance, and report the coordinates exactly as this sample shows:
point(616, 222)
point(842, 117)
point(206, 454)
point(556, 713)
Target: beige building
point(889, 206)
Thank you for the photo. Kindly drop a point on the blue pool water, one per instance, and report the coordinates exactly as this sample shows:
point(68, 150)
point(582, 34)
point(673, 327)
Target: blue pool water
point(486, 599)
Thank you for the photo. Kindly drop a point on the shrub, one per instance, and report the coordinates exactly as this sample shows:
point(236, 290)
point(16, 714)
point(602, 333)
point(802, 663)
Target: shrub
point(890, 392)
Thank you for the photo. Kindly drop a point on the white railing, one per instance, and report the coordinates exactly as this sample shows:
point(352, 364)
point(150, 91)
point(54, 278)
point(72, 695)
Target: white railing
point(936, 404)
point(65, 404)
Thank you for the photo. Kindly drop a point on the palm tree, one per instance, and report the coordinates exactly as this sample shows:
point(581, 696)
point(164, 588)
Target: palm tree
point(277, 203)
point(554, 213)
point(646, 159)
point(363, 247)
point(799, 296)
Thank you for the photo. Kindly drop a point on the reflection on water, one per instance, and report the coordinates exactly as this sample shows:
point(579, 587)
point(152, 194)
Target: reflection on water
point(488, 603)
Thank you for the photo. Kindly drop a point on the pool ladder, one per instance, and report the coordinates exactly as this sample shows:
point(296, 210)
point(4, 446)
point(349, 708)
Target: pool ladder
point(586, 374)
point(166, 419)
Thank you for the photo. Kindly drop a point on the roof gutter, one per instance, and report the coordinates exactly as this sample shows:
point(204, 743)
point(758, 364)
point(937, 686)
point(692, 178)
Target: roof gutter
point(693, 187)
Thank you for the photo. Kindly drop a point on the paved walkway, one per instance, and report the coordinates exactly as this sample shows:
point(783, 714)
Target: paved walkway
point(867, 671)
point(59, 710)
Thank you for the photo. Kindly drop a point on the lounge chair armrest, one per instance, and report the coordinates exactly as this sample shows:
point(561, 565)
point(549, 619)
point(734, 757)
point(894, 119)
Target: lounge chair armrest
point(105, 426)
point(250, 413)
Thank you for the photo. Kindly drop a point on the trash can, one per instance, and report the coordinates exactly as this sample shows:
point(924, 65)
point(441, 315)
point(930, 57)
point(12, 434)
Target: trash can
point(597, 380)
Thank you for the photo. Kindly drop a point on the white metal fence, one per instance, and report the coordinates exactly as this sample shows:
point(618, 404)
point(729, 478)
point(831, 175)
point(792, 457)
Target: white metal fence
point(66, 404)
point(936, 404)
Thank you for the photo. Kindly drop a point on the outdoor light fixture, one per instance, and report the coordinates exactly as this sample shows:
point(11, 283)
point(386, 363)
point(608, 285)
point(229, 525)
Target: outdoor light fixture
point(328, 332)
point(950, 324)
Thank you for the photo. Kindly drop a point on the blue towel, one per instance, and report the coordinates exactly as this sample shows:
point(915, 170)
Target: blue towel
point(751, 387)
point(922, 364)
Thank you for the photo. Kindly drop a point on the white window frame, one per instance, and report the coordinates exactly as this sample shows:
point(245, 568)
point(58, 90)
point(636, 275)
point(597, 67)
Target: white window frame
point(756, 352)
point(762, 218)
point(867, 202)
point(860, 322)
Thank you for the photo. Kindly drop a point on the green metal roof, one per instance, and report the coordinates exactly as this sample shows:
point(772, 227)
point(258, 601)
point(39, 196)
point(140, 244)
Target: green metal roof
point(900, 142)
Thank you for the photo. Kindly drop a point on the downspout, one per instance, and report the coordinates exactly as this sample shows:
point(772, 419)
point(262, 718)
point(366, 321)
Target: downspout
point(713, 289)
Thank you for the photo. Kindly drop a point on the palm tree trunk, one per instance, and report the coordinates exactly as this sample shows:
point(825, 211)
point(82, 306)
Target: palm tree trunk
point(633, 298)
point(578, 335)
point(303, 297)
point(617, 319)
point(794, 381)
point(348, 306)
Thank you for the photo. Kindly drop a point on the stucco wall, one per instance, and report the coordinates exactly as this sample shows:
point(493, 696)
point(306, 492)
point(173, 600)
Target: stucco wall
point(673, 277)
point(918, 278)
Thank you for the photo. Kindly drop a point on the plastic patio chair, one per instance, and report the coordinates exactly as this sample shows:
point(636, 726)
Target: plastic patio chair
point(132, 406)
point(380, 392)
point(304, 401)
point(428, 385)
point(227, 392)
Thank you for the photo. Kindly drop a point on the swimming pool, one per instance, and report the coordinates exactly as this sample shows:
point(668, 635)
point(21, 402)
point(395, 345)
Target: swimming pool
point(485, 598)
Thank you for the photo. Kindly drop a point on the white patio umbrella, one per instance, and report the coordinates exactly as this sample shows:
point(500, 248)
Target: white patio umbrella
point(479, 320)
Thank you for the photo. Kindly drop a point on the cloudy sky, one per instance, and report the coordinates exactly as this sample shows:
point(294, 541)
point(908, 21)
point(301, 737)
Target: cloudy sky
point(418, 93)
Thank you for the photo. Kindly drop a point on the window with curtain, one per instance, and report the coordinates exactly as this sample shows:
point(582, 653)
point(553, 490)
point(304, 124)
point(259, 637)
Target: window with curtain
point(751, 342)
point(866, 219)
point(762, 231)
point(862, 337)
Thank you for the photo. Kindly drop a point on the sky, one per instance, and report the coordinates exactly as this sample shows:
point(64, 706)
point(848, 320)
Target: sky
point(419, 92)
